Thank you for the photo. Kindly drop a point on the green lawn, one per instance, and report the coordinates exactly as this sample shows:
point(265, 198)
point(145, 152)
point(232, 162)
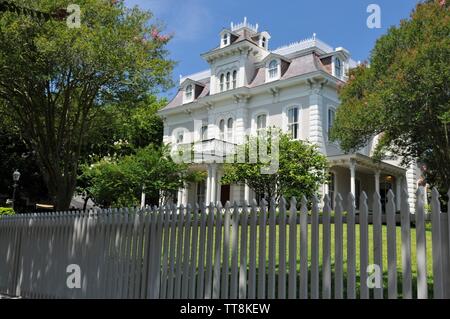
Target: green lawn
point(371, 253)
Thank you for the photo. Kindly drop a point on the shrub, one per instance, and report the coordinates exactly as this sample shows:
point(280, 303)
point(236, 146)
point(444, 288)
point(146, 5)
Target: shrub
point(7, 211)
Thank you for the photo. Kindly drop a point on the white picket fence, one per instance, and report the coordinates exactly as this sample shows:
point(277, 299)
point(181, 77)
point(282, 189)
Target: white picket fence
point(266, 251)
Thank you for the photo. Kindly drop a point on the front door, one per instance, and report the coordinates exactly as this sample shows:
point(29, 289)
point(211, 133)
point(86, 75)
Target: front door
point(224, 194)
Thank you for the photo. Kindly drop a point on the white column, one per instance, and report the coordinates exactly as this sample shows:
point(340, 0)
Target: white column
point(219, 187)
point(213, 183)
point(208, 186)
point(352, 167)
point(247, 193)
point(377, 181)
point(398, 191)
point(179, 197)
point(185, 195)
point(143, 198)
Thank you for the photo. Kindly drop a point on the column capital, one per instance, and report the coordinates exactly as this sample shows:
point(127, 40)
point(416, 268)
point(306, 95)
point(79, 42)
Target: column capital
point(352, 163)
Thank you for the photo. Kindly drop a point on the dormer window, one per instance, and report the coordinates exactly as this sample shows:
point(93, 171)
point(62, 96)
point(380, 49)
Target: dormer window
point(189, 93)
point(264, 42)
point(225, 40)
point(274, 70)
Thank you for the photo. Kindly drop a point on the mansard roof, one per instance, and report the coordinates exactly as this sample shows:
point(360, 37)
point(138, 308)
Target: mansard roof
point(298, 66)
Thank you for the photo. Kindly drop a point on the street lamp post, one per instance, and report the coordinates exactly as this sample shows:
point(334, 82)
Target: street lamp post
point(16, 177)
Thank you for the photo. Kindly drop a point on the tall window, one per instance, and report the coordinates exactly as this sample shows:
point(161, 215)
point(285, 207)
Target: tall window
point(230, 129)
point(331, 117)
point(222, 81)
point(261, 122)
point(234, 79)
point(337, 67)
point(189, 92)
point(273, 69)
point(263, 42)
point(204, 132)
point(293, 122)
point(228, 81)
point(221, 129)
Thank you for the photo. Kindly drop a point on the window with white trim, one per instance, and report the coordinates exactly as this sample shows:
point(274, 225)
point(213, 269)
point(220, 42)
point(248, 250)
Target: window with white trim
point(221, 129)
point(189, 93)
point(234, 79)
point(222, 82)
point(261, 122)
point(204, 132)
point(337, 68)
point(228, 80)
point(273, 69)
point(293, 122)
point(230, 129)
point(331, 118)
point(225, 39)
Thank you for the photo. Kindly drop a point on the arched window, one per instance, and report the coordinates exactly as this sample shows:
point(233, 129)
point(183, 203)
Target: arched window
point(261, 122)
point(222, 81)
point(337, 68)
point(293, 122)
point(221, 129)
point(204, 132)
point(228, 80)
point(273, 69)
point(180, 137)
point(234, 79)
point(230, 129)
point(189, 92)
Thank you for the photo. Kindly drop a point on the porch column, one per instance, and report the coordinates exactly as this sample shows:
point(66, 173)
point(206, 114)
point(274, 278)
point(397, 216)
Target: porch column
point(352, 167)
point(247, 193)
point(377, 181)
point(213, 183)
point(219, 186)
point(398, 191)
point(208, 186)
point(185, 195)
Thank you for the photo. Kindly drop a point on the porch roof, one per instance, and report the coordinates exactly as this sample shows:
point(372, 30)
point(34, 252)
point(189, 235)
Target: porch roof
point(363, 161)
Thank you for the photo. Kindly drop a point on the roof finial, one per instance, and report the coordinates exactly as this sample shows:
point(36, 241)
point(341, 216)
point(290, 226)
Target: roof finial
point(314, 36)
point(245, 21)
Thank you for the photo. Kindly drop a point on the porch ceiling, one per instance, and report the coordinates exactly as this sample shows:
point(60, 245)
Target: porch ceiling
point(365, 163)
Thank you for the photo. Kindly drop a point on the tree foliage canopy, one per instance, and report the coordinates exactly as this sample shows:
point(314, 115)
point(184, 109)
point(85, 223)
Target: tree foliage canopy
point(54, 79)
point(403, 94)
point(301, 170)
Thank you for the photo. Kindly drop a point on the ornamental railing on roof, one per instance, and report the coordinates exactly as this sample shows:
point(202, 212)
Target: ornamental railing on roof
point(303, 45)
point(245, 24)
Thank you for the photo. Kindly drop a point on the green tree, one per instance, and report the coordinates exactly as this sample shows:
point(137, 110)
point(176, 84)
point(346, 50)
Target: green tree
point(301, 169)
point(119, 182)
point(55, 80)
point(403, 94)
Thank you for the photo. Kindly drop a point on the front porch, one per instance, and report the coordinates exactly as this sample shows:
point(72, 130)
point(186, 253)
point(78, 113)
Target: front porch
point(356, 173)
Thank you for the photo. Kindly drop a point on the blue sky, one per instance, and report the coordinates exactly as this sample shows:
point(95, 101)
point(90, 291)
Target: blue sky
point(197, 23)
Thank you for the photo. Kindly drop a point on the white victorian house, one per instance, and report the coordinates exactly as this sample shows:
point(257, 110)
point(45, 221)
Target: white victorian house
point(249, 87)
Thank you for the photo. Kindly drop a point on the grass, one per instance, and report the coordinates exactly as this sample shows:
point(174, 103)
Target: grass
point(357, 236)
